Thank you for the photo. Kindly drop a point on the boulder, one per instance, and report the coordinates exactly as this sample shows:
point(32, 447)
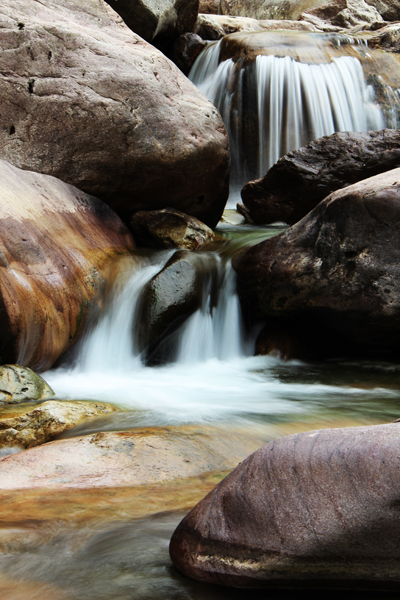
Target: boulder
point(386, 38)
point(86, 100)
point(303, 178)
point(267, 9)
point(388, 9)
point(209, 7)
point(186, 49)
point(336, 272)
point(342, 14)
point(172, 295)
point(316, 509)
point(169, 228)
point(46, 421)
point(55, 242)
point(130, 458)
point(214, 27)
point(157, 22)
point(19, 384)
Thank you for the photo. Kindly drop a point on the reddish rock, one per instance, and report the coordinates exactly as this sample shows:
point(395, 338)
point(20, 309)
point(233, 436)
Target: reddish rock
point(316, 509)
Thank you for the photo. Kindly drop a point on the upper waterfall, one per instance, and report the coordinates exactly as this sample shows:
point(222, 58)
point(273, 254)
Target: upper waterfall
point(274, 104)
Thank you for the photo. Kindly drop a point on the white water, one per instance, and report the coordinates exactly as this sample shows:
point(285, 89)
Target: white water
point(213, 376)
point(296, 103)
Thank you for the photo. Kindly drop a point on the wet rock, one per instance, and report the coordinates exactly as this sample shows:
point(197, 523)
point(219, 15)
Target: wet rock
point(304, 177)
point(157, 22)
point(127, 458)
point(185, 51)
point(47, 421)
point(55, 242)
point(336, 272)
point(135, 132)
point(19, 384)
point(214, 27)
point(317, 509)
point(280, 343)
point(172, 295)
point(169, 228)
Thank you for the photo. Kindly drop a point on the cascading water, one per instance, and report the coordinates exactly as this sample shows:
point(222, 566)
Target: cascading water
point(274, 104)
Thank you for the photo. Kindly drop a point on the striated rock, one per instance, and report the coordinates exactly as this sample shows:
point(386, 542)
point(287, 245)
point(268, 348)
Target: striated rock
point(336, 272)
point(316, 509)
point(157, 22)
point(185, 51)
point(214, 27)
point(55, 242)
point(19, 384)
point(47, 421)
point(127, 458)
point(172, 295)
point(169, 228)
point(303, 178)
point(86, 100)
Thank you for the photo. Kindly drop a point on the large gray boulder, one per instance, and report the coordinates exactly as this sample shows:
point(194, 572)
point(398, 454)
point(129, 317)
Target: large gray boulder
point(336, 273)
point(316, 509)
point(86, 100)
point(157, 22)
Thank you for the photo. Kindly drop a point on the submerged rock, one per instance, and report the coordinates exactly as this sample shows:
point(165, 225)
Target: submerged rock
point(19, 384)
point(169, 228)
point(47, 421)
point(336, 272)
point(157, 22)
point(316, 509)
point(86, 100)
point(128, 458)
point(172, 295)
point(55, 242)
point(303, 178)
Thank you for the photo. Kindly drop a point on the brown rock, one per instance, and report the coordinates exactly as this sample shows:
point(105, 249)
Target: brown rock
point(19, 384)
point(335, 274)
point(169, 228)
point(157, 22)
point(267, 9)
point(388, 9)
point(209, 7)
point(86, 100)
point(342, 14)
point(214, 27)
point(387, 38)
point(125, 459)
point(317, 509)
point(54, 245)
point(303, 178)
point(47, 421)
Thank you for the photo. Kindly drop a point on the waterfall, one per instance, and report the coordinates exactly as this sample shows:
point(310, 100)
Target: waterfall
point(272, 105)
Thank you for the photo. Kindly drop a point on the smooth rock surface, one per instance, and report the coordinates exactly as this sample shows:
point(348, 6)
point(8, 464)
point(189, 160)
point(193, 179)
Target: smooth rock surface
point(170, 228)
point(55, 242)
point(127, 458)
point(47, 421)
point(159, 21)
point(19, 384)
point(171, 296)
point(267, 9)
point(336, 272)
point(214, 27)
point(86, 100)
point(317, 509)
point(303, 178)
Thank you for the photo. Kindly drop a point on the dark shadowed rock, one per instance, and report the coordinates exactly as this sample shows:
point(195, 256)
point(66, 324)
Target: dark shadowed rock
point(185, 50)
point(169, 228)
point(55, 245)
point(157, 22)
point(316, 509)
point(86, 100)
point(209, 7)
point(303, 178)
point(336, 273)
point(172, 296)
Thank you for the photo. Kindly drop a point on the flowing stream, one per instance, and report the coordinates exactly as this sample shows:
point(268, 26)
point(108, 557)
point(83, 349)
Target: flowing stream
point(209, 375)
